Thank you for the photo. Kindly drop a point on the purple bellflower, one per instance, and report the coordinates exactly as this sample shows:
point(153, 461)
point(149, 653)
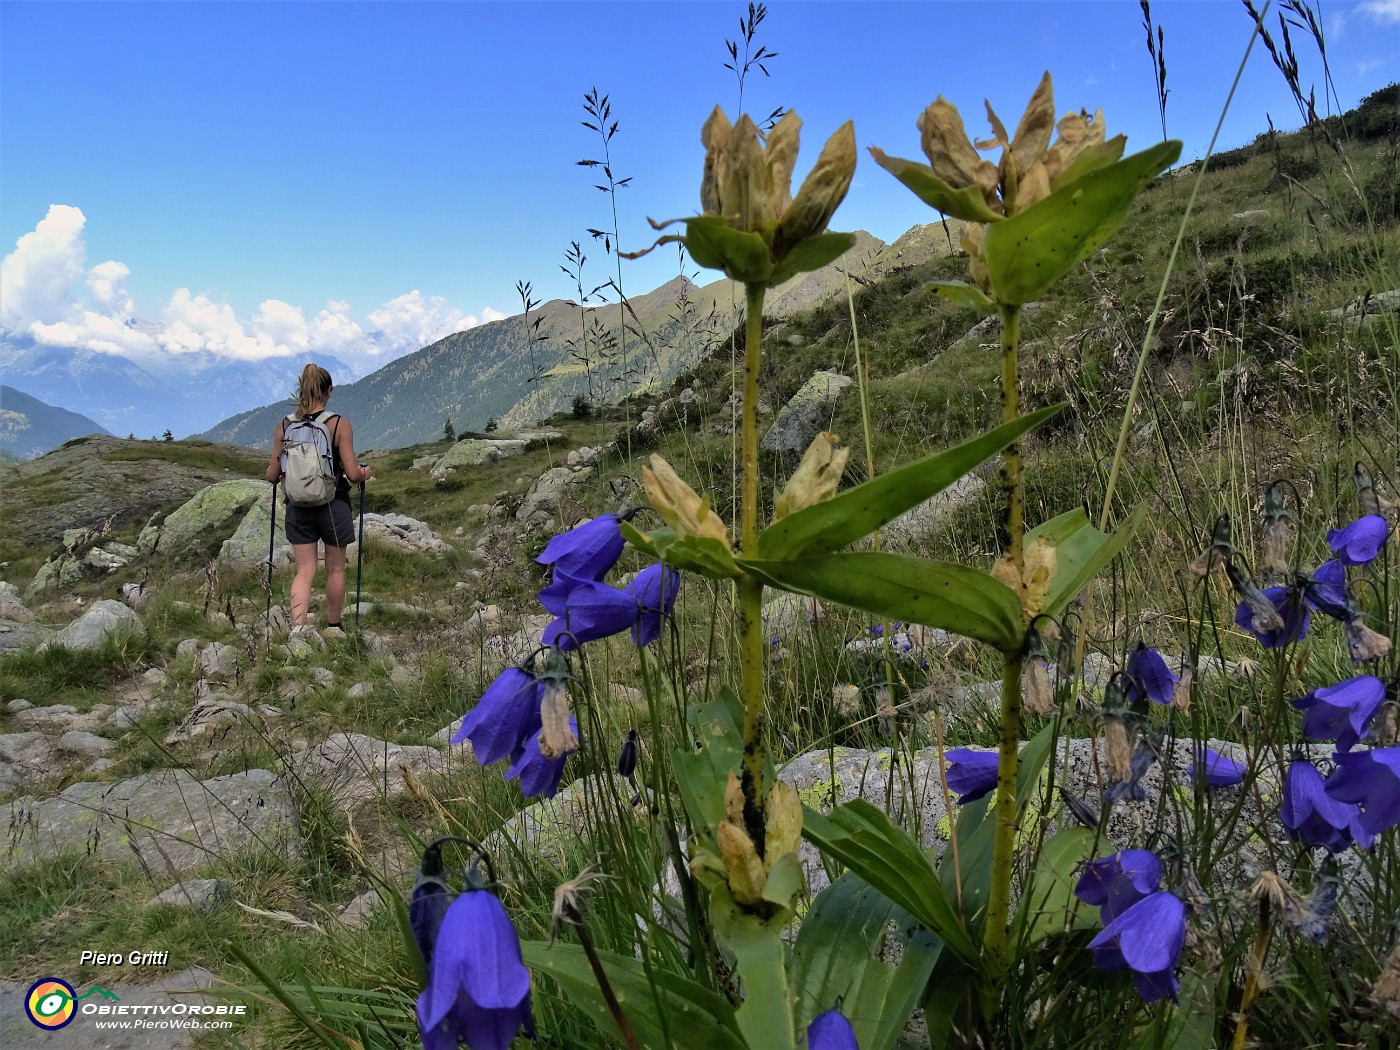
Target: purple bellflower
point(584, 611)
point(1370, 780)
point(831, 1031)
point(971, 774)
point(1343, 711)
point(1149, 676)
point(507, 713)
point(1359, 542)
point(1312, 816)
point(1114, 884)
point(1327, 591)
point(478, 989)
point(1294, 614)
point(1146, 939)
point(587, 551)
point(1217, 770)
point(539, 775)
point(654, 590)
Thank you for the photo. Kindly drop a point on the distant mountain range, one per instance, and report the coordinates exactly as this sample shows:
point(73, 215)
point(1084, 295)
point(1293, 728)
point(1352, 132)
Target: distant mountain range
point(29, 428)
point(515, 370)
point(187, 392)
point(524, 368)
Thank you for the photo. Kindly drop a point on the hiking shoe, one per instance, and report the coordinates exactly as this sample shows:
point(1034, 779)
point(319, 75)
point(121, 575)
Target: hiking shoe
point(330, 634)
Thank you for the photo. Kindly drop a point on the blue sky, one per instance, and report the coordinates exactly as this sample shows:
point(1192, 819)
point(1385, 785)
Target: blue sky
point(262, 178)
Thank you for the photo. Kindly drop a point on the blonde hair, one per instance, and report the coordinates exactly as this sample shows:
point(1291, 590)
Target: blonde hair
point(314, 386)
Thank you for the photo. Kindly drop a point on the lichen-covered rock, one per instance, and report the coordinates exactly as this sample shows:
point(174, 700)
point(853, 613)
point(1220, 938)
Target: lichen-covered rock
point(210, 512)
point(247, 547)
point(59, 571)
point(105, 619)
point(807, 414)
point(473, 452)
point(171, 820)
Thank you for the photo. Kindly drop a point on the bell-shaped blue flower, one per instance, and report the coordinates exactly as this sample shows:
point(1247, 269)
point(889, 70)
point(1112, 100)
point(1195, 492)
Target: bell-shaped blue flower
point(1149, 676)
point(507, 713)
point(1342, 712)
point(1327, 591)
point(539, 775)
point(1371, 781)
point(587, 551)
point(478, 988)
point(1217, 770)
point(1359, 542)
point(584, 611)
point(654, 590)
point(1146, 939)
point(1311, 815)
point(831, 1031)
point(971, 774)
point(1294, 614)
point(1114, 884)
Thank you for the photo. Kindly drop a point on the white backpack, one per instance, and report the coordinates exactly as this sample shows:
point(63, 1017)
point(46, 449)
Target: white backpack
point(308, 466)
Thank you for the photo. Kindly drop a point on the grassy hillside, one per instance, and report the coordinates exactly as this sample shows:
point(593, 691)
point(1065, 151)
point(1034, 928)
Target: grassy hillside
point(1273, 355)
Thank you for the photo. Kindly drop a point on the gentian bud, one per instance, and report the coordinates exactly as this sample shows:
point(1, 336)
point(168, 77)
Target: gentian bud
point(816, 478)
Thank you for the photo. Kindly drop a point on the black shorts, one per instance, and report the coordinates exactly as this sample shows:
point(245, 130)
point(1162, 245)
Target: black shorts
point(333, 524)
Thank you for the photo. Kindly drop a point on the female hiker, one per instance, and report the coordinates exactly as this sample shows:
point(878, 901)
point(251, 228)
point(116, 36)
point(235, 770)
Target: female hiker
point(318, 495)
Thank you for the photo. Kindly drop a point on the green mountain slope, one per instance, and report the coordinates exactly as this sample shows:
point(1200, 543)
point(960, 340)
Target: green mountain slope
point(29, 427)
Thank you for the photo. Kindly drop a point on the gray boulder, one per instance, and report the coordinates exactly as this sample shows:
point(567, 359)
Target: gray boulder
point(473, 452)
point(20, 635)
point(25, 757)
point(918, 522)
point(171, 820)
point(11, 607)
point(218, 662)
point(807, 414)
point(210, 512)
point(202, 895)
point(60, 571)
point(353, 769)
point(247, 547)
point(542, 501)
point(105, 619)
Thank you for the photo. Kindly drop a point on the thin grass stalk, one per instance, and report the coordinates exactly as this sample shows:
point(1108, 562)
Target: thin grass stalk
point(1005, 810)
point(749, 591)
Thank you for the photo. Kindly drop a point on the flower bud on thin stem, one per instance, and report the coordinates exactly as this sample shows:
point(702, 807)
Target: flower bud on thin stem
point(1266, 618)
point(1364, 643)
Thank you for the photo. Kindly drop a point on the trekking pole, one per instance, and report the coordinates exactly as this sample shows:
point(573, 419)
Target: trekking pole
point(271, 543)
point(360, 553)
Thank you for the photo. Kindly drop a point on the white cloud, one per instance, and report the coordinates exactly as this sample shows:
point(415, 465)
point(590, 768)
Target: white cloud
point(412, 321)
point(1382, 10)
point(38, 276)
point(51, 296)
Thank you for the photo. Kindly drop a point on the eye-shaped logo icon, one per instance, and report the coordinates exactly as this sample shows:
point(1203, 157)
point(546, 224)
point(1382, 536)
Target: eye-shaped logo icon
point(50, 1003)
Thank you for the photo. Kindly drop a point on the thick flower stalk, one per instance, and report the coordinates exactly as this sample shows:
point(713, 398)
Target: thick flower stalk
point(1031, 217)
point(758, 233)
